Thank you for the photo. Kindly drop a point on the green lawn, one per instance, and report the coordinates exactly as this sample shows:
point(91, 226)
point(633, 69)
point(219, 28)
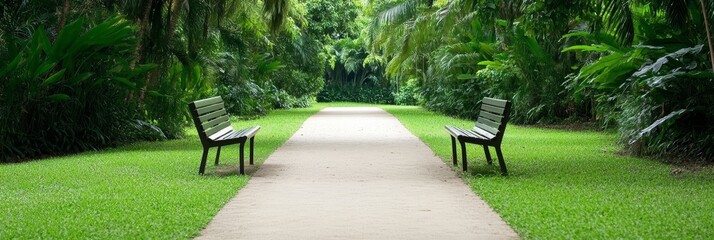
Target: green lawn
point(573, 184)
point(144, 190)
point(562, 184)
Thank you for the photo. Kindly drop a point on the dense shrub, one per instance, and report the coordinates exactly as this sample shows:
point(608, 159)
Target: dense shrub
point(456, 97)
point(408, 94)
point(667, 106)
point(298, 83)
point(245, 99)
point(68, 96)
point(375, 94)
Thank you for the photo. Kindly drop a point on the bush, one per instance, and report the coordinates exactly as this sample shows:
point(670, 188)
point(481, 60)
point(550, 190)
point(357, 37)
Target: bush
point(459, 97)
point(68, 96)
point(246, 99)
point(408, 94)
point(376, 94)
point(298, 84)
point(667, 107)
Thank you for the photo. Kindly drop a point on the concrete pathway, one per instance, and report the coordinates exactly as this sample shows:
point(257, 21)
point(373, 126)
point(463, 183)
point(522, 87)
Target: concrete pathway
point(356, 173)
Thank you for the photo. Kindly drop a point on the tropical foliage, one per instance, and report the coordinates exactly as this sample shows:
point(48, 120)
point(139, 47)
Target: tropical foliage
point(643, 67)
point(81, 75)
point(78, 75)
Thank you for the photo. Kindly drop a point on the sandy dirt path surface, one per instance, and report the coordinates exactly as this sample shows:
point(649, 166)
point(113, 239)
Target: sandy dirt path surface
point(356, 173)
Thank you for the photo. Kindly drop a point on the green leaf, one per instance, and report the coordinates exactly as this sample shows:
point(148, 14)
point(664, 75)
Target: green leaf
point(70, 33)
point(80, 78)
point(590, 48)
point(58, 97)
point(124, 82)
point(54, 78)
point(156, 94)
point(466, 76)
point(11, 66)
point(491, 64)
point(44, 69)
point(665, 119)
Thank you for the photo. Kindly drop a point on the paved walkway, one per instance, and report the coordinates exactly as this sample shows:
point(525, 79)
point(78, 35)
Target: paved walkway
point(355, 173)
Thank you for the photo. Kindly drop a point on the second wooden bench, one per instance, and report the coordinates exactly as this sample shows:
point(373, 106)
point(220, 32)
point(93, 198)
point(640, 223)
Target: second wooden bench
point(489, 129)
point(215, 130)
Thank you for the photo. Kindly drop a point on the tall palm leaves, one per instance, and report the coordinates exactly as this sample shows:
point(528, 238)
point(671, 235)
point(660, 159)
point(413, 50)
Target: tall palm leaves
point(402, 32)
point(687, 15)
point(276, 11)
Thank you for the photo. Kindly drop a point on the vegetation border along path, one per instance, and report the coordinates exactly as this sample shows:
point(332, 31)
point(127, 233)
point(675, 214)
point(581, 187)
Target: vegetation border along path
point(143, 190)
point(574, 185)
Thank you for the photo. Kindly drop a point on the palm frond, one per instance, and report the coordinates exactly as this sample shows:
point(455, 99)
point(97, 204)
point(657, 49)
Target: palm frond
point(397, 15)
point(618, 20)
point(277, 12)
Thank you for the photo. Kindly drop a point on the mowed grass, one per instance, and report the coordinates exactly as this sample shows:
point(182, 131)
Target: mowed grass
point(141, 191)
point(574, 185)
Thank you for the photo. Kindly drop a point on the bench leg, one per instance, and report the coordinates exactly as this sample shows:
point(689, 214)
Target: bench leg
point(453, 151)
point(488, 155)
point(251, 149)
point(463, 156)
point(202, 168)
point(501, 162)
point(240, 161)
point(218, 154)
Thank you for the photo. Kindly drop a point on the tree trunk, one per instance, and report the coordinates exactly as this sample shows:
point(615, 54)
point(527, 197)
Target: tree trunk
point(144, 25)
point(173, 18)
point(173, 21)
point(63, 15)
point(138, 50)
point(709, 34)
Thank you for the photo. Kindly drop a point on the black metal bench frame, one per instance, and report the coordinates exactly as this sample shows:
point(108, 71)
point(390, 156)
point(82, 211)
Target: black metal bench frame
point(214, 129)
point(489, 130)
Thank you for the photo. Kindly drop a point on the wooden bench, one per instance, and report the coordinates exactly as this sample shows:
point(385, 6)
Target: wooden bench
point(489, 129)
point(214, 129)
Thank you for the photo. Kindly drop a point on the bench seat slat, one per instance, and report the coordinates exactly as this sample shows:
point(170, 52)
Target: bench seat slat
point(481, 126)
point(492, 109)
point(495, 102)
point(488, 122)
point(230, 134)
point(478, 134)
point(207, 101)
point(490, 116)
point(221, 133)
point(212, 115)
point(233, 134)
point(460, 132)
point(215, 122)
point(210, 108)
point(217, 128)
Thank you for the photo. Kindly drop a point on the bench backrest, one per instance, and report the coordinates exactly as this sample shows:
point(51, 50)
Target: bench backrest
point(210, 116)
point(493, 116)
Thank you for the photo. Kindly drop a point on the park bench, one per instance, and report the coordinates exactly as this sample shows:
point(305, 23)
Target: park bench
point(214, 129)
point(489, 129)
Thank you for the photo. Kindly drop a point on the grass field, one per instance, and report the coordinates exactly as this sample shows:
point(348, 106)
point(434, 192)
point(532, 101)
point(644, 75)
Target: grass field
point(573, 184)
point(562, 185)
point(145, 190)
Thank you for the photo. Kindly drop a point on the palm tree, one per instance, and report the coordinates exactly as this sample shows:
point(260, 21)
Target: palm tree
point(682, 14)
point(160, 19)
